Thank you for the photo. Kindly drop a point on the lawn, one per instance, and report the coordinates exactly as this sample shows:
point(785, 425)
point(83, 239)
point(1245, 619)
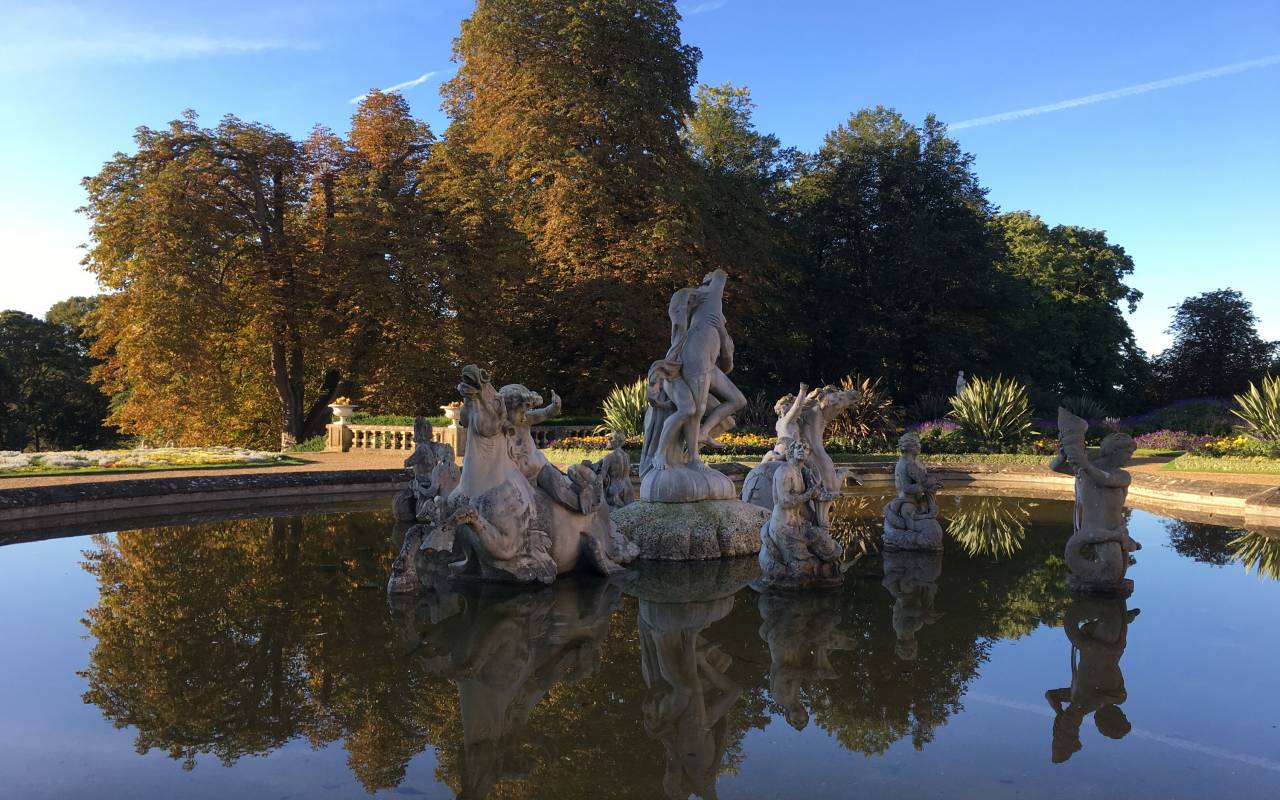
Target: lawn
point(81, 462)
point(1254, 465)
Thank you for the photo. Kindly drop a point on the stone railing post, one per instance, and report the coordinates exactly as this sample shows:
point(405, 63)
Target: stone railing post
point(338, 437)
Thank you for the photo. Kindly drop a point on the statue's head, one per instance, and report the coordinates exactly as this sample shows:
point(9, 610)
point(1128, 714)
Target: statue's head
point(516, 397)
point(907, 649)
point(422, 431)
point(712, 287)
point(482, 409)
point(833, 400)
point(783, 404)
point(797, 451)
point(797, 715)
point(617, 439)
point(1117, 448)
point(909, 443)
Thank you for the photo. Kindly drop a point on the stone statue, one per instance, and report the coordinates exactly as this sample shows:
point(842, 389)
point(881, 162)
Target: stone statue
point(1099, 550)
point(912, 579)
point(960, 382)
point(795, 551)
point(1098, 629)
point(691, 400)
point(804, 416)
point(500, 525)
point(801, 633)
point(435, 474)
point(615, 470)
point(911, 518)
point(523, 413)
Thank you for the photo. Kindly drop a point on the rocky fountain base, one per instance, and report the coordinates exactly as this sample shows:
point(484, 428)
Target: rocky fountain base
point(699, 530)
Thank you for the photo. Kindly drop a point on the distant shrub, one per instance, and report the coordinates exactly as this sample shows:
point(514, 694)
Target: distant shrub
point(1206, 416)
point(1165, 439)
point(758, 414)
point(872, 415)
point(1084, 407)
point(624, 408)
point(1259, 407)
point(993, 412)
point(1239, 445)
point(927, 407)
point(313, 445)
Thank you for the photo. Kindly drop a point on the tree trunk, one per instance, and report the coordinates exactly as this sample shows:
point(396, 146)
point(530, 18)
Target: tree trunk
point(297, 425)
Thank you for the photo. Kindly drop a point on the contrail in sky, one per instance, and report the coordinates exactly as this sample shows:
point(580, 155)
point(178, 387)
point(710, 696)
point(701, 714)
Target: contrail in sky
point(423, 78)
point(1116, 94)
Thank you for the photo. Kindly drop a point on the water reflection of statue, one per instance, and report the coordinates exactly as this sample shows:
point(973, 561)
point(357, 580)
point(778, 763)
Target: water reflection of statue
point(1098, 629)
point(691, 399)
point(1099, 551)
point(795, 551)
point(912, 579)
point(690, 691)
point(911, 518)
point(506, 650)
point(801, 632)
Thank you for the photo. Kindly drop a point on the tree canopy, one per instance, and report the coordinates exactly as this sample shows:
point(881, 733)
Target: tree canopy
point(1216, 350)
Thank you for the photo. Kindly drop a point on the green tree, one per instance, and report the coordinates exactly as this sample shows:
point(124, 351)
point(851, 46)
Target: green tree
point(1216, 350)
point(897, 273)
point(566, 122)
point(45, 394)
point(1065, 310)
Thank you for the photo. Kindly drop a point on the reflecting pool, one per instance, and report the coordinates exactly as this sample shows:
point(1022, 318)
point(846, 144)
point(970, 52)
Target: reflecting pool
point(261, 658)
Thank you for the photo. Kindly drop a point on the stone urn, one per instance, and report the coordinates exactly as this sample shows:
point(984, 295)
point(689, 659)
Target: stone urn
point(343, 412)
point(452, 411)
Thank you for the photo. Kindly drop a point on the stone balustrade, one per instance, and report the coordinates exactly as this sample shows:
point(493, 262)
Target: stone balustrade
point(343, 438)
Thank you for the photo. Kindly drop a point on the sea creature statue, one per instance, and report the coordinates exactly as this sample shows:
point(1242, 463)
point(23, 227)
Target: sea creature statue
point(615, 470)
point(523, 413)
point(1099, 550)
point(691, 400)
point(1098, 629)
point(912, 579)
point(802, 416)
point(796, 552)
point(911, 518)
point(801, 633)
point(435, 474)
point(500, 525)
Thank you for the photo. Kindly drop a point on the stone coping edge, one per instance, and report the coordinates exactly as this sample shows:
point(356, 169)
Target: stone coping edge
point(135, 495)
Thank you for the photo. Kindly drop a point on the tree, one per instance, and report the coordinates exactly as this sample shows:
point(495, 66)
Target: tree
point(1066, 329)
point(565, 127)
point(46, 399)
point(1216, 350)
point(897, 276)
point(245, 266)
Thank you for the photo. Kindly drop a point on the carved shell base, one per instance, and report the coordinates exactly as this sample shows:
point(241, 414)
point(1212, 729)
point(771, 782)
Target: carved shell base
point(682, 483)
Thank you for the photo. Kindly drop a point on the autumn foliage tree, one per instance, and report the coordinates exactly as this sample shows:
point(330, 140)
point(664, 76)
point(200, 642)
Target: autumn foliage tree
point(254, 277)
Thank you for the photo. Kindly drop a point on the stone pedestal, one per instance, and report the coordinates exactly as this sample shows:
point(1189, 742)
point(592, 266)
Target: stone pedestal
point(681, 483)
point(707, 529)
point(338, 437)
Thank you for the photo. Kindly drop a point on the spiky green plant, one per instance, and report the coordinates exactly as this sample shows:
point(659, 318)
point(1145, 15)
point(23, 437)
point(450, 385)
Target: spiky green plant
point(871, 415)
point(993, 411)
point(624, 408)
point(989, 526)
point(1260, 409)
point(1084, 407)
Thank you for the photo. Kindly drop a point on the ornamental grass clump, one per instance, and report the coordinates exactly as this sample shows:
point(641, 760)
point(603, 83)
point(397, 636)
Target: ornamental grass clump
point(993, 412)
point(624, 408)
point(1260, 409)
point(872, 415)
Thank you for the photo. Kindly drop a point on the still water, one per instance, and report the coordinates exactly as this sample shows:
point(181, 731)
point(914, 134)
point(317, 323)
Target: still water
point(260, 658)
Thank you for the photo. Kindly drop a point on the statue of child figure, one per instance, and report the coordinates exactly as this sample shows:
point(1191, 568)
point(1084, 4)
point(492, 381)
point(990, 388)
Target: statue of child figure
point(615, 469)
point(796, 552)
point(911, 518)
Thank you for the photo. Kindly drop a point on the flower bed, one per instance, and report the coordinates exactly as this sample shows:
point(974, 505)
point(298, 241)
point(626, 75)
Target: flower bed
point(74, 461)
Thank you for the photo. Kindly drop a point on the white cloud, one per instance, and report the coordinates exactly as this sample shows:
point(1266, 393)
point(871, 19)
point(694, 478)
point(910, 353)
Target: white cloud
point(1116, 94)
point(418, 81)
point(43, 36)
point(703, 7)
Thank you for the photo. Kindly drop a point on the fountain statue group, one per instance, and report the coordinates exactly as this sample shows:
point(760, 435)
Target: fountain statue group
point(510, 515)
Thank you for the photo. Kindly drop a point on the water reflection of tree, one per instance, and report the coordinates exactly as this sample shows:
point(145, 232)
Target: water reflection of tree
point(1218, 545)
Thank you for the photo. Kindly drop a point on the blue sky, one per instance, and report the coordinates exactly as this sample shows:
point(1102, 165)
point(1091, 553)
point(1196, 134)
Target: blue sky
point(1181, 167)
